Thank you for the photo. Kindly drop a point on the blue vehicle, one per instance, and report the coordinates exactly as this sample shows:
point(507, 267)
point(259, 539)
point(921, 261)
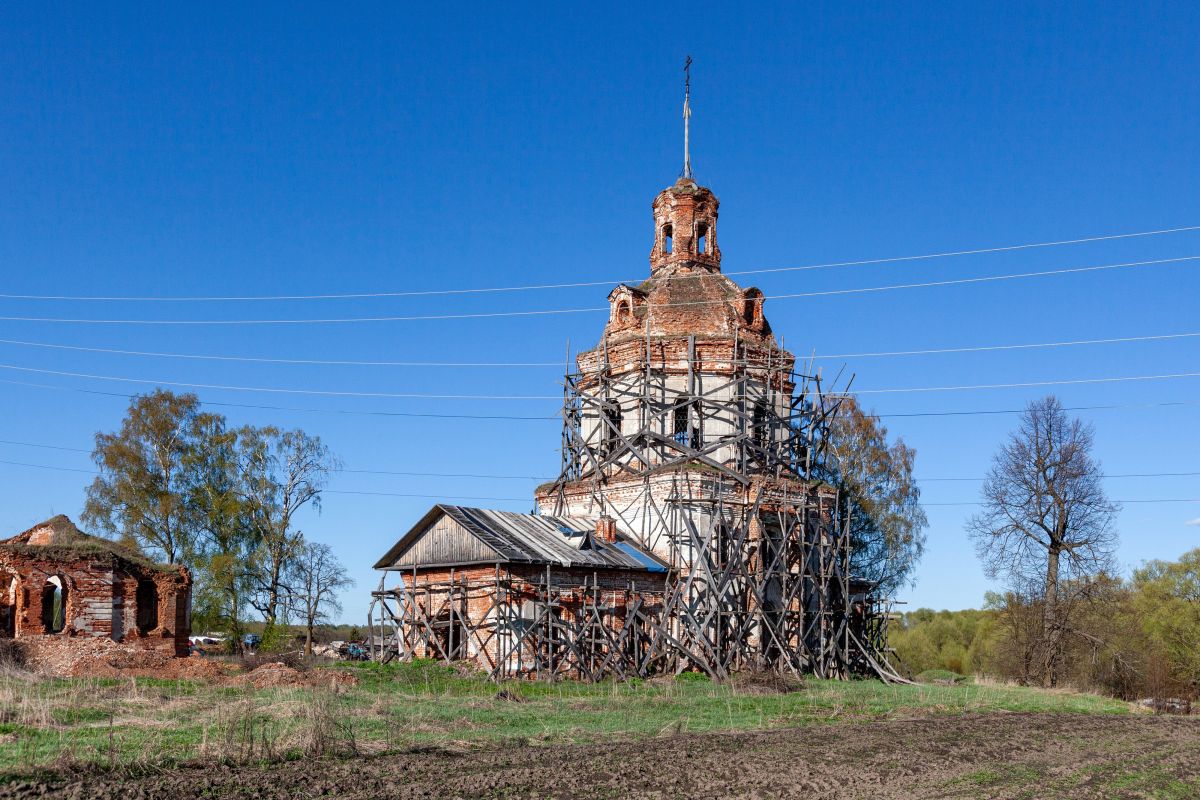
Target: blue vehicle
point(251, 641)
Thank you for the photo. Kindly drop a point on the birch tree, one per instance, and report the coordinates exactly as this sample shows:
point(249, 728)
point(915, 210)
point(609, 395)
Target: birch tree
point(140, 495)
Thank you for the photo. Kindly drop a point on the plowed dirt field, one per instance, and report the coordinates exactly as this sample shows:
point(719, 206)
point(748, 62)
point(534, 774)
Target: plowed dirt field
point(1012, 755)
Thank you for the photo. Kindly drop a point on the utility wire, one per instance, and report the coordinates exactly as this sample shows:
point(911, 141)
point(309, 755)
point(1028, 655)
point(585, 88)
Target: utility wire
point(485, 476)
point(326, 491)
point(544, 286)
point(560, 364)
point(418, 396)
point(1126, 475)
point(529, 499)
point(1154, 500)
point(14, 443)
point(1026, 384)
point(257, 407)
point(556, 417)
point(597, 309)
point(275, 390)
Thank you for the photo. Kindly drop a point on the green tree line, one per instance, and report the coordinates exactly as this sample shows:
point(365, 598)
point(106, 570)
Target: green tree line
point(1132, 638)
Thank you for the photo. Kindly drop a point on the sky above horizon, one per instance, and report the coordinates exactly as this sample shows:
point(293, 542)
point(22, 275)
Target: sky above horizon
point(158, 152)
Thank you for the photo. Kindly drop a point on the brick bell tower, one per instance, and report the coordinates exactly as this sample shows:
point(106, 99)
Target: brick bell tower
point(689, 426)
point(687, 395)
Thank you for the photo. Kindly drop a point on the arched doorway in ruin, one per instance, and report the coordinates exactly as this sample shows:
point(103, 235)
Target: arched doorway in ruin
point(8, 605)
point(54, 605)
point(147, 606)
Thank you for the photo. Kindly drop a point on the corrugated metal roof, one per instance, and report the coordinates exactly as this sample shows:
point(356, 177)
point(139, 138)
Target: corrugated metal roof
point(533, 539)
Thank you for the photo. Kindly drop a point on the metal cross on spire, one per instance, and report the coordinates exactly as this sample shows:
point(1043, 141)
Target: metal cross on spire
point(687, 115)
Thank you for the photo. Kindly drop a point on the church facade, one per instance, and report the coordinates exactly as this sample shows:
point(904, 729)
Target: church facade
point(692, 444)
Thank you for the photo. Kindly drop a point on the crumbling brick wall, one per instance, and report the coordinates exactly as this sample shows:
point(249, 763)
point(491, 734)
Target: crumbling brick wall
point(101, 593)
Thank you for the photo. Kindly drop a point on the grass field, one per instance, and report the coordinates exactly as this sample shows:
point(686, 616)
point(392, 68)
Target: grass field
point(145, 722)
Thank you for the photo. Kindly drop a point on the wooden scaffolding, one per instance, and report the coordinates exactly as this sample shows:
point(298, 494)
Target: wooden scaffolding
point(714, 461)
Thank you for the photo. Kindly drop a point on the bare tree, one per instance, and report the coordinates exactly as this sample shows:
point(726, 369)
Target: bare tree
point(1046, 521)
point(282, 472)
point(314, 577)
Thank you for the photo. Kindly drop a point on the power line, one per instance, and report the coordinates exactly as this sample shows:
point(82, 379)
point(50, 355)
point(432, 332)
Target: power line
point(1125, 475)
point(993, 347)
point(258, 407)
point(545, 477)
point(581, 284)
point(556, 417)
point(1152, 500)
point(1026, 384)
point(560, 364)
point(419, 396)
point(326, 491)
point(985, 412)
point(432, 496)
point(45, 446)
point(298, 361)
point(483, 476)
point(596, 309)
point(487, 476)
point(46, 466)
point(530, 499)
point(276, 390)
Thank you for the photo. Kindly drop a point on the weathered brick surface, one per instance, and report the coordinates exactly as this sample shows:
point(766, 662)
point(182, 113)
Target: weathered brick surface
point(475, 602)
point(103, 589)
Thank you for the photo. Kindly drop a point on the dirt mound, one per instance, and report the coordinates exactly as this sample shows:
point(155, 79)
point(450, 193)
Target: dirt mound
point(63, 657)
point(276, 674)
point(765, 683)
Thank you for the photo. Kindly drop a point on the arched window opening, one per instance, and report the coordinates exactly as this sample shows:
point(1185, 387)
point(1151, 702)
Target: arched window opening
point(760, 425)
point(702, 238)
point(54, 605)
point(8, 611)
point(147, 607)
point(610, 439)
point(624, 313)
point(686, 425)
point(667, 239)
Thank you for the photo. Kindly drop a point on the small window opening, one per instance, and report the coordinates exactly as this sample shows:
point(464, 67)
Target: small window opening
point(760, 430)
point(702, 239)
point(667, 240)
point(611, 438)
point(623, 312)
point(54, 605)
point(147, 607)
point(685, 428)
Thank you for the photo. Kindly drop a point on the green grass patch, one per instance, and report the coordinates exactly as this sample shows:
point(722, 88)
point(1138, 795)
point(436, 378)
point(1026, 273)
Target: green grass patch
point(424, 703)
point(943, 676)
point(75, 715)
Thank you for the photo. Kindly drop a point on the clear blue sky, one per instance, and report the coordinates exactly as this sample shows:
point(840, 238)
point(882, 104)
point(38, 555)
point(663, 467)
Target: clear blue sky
point(295, 150)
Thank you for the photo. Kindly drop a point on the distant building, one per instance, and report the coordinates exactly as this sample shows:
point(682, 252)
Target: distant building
point(56, 580)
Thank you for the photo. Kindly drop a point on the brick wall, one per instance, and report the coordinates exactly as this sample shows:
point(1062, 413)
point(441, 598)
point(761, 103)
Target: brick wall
point(101, 597)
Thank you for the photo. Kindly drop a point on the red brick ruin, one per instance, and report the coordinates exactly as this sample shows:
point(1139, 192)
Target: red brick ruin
point(57, 581)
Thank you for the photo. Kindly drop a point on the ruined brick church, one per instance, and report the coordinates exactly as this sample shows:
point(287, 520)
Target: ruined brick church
point(58, 582)
point(687, 530)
